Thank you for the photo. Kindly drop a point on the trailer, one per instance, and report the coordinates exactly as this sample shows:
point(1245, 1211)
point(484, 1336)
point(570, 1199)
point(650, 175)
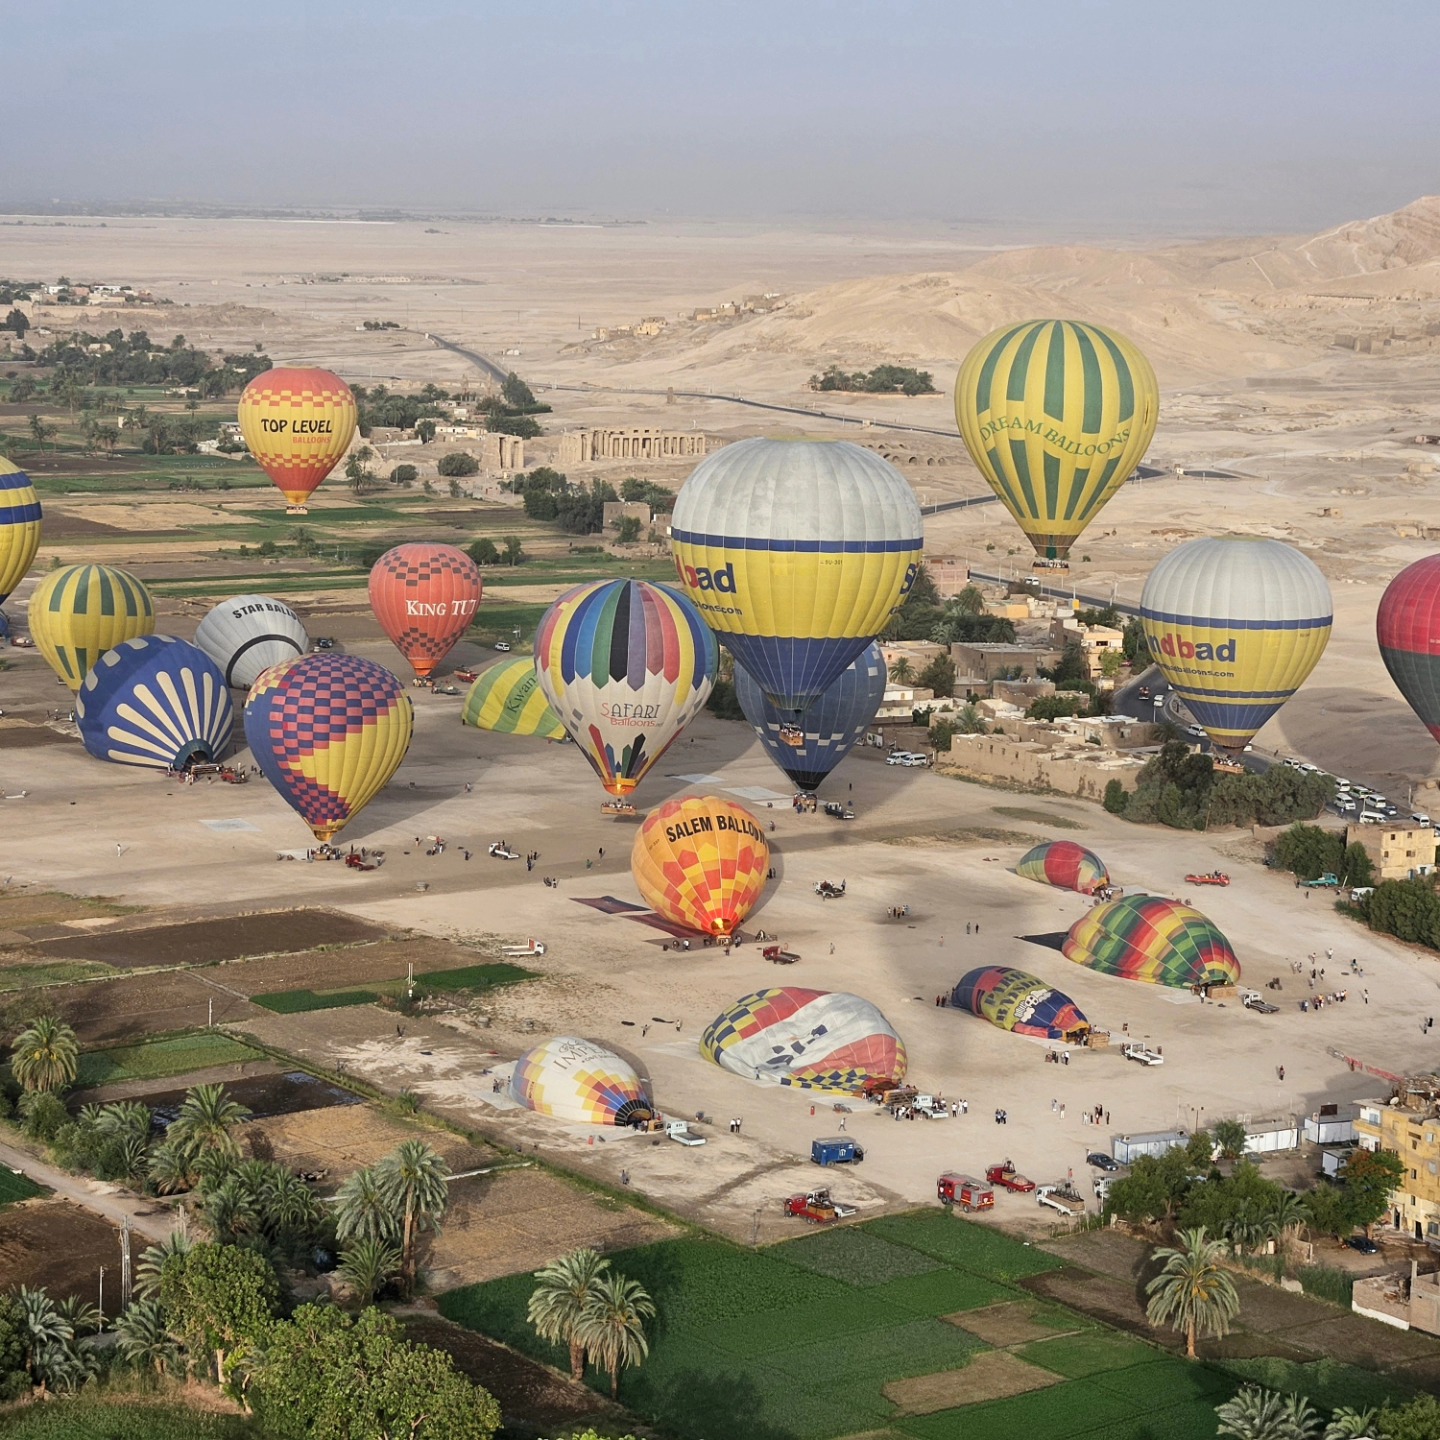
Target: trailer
point(964, 1191)
point(836, 1150)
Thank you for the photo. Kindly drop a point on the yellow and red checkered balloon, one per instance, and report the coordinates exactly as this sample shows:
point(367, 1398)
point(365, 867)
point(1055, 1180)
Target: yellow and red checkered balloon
point(297, 423)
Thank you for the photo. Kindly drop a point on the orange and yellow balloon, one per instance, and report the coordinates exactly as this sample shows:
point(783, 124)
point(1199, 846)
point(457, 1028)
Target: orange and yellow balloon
point(297, 423)
point(702, 863)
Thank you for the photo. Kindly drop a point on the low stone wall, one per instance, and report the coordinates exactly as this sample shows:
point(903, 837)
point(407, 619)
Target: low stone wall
point(1027, 764)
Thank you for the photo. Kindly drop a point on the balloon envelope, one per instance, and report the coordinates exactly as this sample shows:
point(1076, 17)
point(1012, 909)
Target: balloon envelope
point(809, 747)
point(1056, 415)
point(568, 1078)
point(328, 731)
point(424, 597)
point(155, 701)
point(626, 666)
point(19, 526)
point(797, 552)
point(1236, 626)
point(701, 863)
point(1022, 1003)
point(1066, 865)
point(1143, 937)
point(507, 698)
point(1408, 629)
point(78, 613)
point(247, 635)
point(297, 423)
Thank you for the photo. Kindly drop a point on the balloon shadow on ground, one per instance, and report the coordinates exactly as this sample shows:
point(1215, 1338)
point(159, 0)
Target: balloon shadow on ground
point(1053, 940)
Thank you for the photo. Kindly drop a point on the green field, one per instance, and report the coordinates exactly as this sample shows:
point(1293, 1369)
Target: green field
point(797, 1342)
point(83, 1419)
point(15, 1187)
point(469, 977)
point(159, 1059)
point(59, 972)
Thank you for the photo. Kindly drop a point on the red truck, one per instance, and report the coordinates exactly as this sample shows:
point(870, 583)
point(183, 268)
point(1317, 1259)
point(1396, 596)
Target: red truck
point(961, 1190)
point(1210, 877)
point(817, 1207)
point(1007, 1175)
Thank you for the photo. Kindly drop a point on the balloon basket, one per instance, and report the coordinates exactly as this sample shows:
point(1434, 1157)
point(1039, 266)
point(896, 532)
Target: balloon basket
point(297, 509)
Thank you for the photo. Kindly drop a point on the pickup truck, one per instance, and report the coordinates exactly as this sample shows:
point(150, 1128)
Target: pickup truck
point(1064, 1198)
point(1008, 1177)
point(930, 1107)
point(1327, 881)
point(1254, 1000)
point(819, 1207)
point(682, 1134)
point(1143, 1055)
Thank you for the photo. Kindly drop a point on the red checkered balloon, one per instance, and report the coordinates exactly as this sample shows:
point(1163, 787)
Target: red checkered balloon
point(424, 597)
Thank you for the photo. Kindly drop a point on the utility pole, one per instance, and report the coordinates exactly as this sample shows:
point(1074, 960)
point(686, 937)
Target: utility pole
point(125, 1264)
point(102, 1297)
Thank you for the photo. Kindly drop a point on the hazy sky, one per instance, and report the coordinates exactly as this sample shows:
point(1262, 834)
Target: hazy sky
point(1092, 114)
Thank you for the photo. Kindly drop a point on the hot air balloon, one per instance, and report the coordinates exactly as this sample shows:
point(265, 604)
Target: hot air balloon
point(80, 612)
point(813, 1039)
point(1408, 628)
point(1021, 1003)
point(797, 553)
point(701, 863)
point(568, 1078)
point(1064, 864)
point(297, 423)
point(1235, 626)
point(19, 526)
point(155, 701)
point(248, 635)
point(626, 666)
point(508, 698)
point(328, 731)
point(809, 747)
point(1056, 415)
point(424, 597)
point(1143, 937)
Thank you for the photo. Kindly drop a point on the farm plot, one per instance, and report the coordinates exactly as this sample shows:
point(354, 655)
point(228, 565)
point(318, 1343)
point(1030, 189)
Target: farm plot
point(14, 1186)
point(474, 978)
point(58, 1246)
point(162, 1058)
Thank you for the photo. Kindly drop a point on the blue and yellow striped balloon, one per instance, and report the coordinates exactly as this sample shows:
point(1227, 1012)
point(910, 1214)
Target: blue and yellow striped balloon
point(80, 612)
point(19, 526)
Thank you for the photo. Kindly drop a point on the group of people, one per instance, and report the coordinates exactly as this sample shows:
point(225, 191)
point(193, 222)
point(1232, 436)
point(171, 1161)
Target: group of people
point(1335, 997)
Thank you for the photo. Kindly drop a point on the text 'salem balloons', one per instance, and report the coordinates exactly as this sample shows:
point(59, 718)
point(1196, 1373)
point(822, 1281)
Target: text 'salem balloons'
point(1065, 865)
point(19, 526)
point(1236, 626)
point(797, 553)
point(247, 635)
point(424, 597)
point(328, 731)
point(626, 666)
point(508, 699)
point(1162, 942)
point(809, 747)
point(297, 423)
point(78, 613)
point(1056, 415)
point(814, 1039)
point(701, 863)
point(1408, 628)
point(155, 701)
point(571, 1079)
point(1022, 1003)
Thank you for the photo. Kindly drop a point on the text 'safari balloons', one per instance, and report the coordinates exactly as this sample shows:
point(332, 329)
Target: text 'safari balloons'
point(1056, 415)
point(297, 423)
point(626, 666)
point(508, 699)
point(797, 553)
point(424, 597)
point(249, 634)
point(78, 613)
point(1236, 626)
point(1408, 628)
point(19, 526)
point(158, 702)
point(328, 731)
point(701, 863)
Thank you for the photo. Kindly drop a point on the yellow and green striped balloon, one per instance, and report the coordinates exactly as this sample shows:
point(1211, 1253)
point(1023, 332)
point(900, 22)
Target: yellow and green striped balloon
point(507, 698)
point(80, 612)
point(1056, 414)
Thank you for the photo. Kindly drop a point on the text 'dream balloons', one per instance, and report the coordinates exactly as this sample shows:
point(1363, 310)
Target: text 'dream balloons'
point(701, 863)
point(626, 666)
point(424, 597)
point(1016, 1001)
point(1056, 415)
point(249, 634)
point(508, 699)
point(328, 731)
point(1236, 626)
point(19, 526)
point(78, 613)
point(576, 1080)
point(158, 702)
point(1408, 629)
point(797, 553)
point(297, 423)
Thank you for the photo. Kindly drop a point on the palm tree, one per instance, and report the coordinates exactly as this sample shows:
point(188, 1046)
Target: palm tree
point(45, 1327)
point(171, 1167)
point(1192, 1292)
point(152, 1262)
point(1253, 1414)
point(142, 1339)
point(1250, 1226)
point(229, 1211)
point(205, 1118)
point(287, 1204)
point(368, 1266)
point(558, 1301)
point(1288, 1216)
point(414, 1181)
point(81, 1316)
point(46, 1055)
point(612, 1325)
point(361, 1209)
point(1350, 1424)
point(902, 672)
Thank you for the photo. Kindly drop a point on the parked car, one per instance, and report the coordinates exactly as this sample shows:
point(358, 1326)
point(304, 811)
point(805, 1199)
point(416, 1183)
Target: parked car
point(1420, 817)
point(503, 646)
point(1364, 1244)
point(1145, 692)
point(324, 642)
point(1101, 1161)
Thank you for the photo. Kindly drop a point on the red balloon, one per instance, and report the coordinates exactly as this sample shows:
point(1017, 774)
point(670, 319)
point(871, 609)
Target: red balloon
point(424, 597)
point(1407, 626)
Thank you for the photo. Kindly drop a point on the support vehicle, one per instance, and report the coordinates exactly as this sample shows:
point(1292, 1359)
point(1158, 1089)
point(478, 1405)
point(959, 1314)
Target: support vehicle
point(930, 1107)
point(1142, 1054)
point(680, 1132)
point(1063, 1197)
point(836, 811)
point(1210, 877)
point(962, 1190)
point(1328, 881)
point(818, 1207)
point(829, 890)
point(779, 955)
point(1008, 1177)
point(836, 1150)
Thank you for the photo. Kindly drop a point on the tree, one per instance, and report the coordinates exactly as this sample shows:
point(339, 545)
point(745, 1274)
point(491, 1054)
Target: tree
point(1192, 1292)
point(483, 552)
point(514, 555)
point(143, 1340)
point(1327, 1211)
point(416, 1182)
point(1369, 1178)
point(970, 601)
point(939, 676)
point(564, 1288)
point(1230, 1137)
point(612, 1325)
point(362, 1211)
point(1418, 1420)
point(218, 1298)
point(152, 1263)
point(229, 1212)
point(46, 1055)
point(1347, 1423)
point(1112, 662)
point(368, 1266)
point(516, 392)
point(968, 720)
point(18, 321)
point(205, 1119)
point(13, 1378)
point(44, 1328)
point(902, 671)
point(628, 529)
point(1054, 707)
point(1117, 797)
point(1256, 1414)
point(404, 475)
point(457, 462)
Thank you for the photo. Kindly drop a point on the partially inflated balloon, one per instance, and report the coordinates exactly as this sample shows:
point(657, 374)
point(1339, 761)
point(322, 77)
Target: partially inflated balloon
point(701, 863)
point(797, 552)
point(155, 701)
point(626, 666)
point(1236, 626)
point(249, 634)
point(80, 612)
point(1408, 628)
point(1056, 415)
point(507, 698)
point(424, 597)
point(328, 731)
point(807, 749)
point(19, 526)
point(297, 423)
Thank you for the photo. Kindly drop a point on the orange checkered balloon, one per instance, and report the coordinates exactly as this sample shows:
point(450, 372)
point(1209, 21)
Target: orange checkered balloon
point(297, 423)
point(701, 863)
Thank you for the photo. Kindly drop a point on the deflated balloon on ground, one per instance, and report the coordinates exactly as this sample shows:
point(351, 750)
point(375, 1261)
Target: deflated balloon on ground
point(1162, 942)
point(1066, 865)
point(578, 1081)
point(1020, 1002)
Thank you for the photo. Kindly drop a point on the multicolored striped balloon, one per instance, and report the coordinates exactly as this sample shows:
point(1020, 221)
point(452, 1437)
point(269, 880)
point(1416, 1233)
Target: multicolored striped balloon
point(1065, 865)
point(78, 613)
point(1021, 1003)
point(508, 699)
point(1163, 942)
point(328, 731)
point(626, 666)
point(424, 597)
point(576, 1080)
point(19, 526)
point(1408, 629)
